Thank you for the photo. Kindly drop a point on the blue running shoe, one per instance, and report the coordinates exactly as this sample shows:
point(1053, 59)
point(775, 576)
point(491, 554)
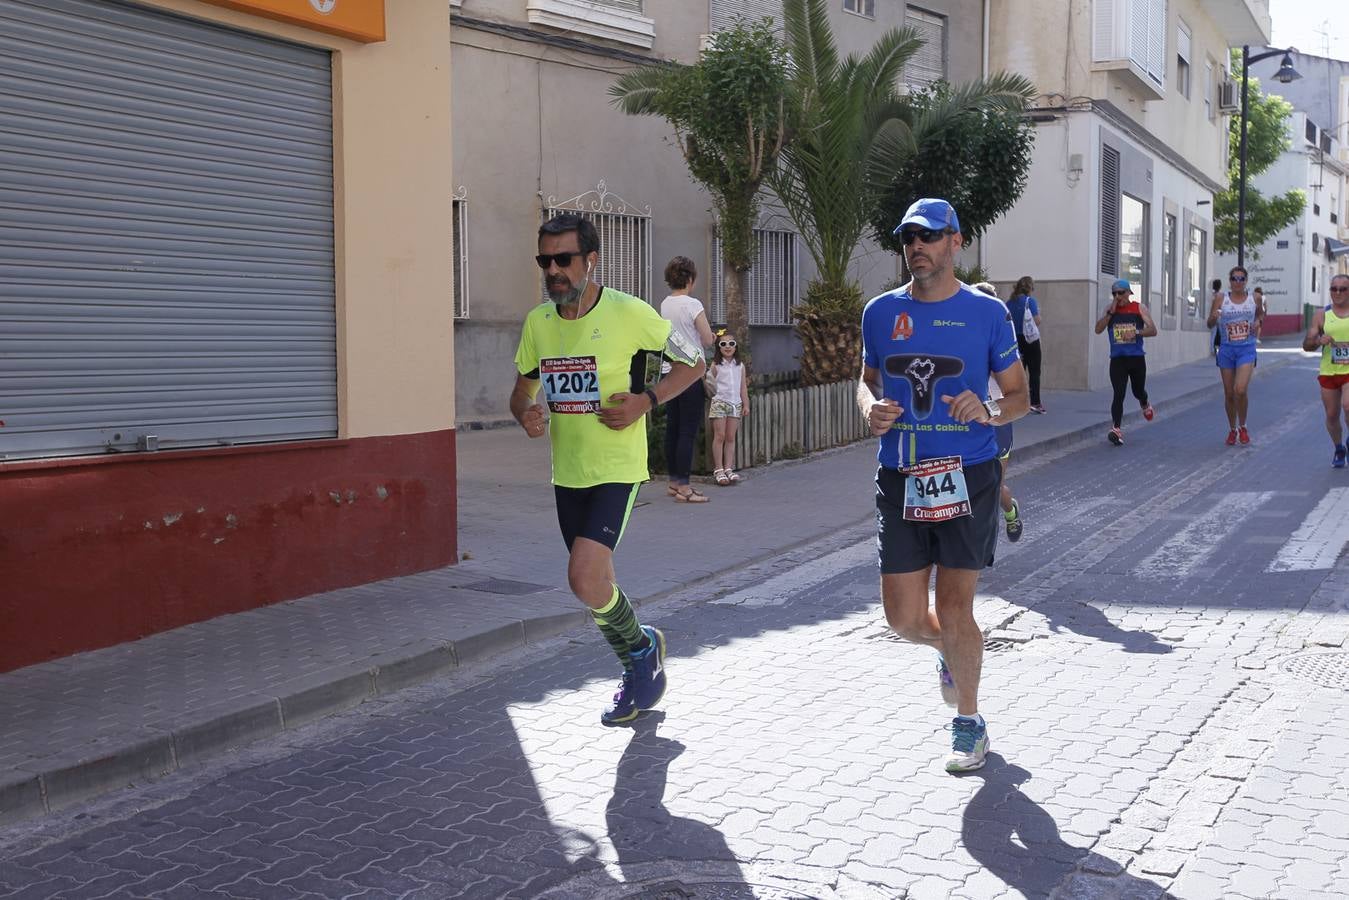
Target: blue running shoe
point(643, 685)
point(1337, 461)
point(623, 709)
point(648, 669)
point(969, 745)
point(948, 684)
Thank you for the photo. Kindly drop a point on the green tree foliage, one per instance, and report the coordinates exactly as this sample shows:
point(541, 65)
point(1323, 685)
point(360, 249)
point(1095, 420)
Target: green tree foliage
point(850, 130)
point(1266, 139)
point(727, 111)
point(979, 162)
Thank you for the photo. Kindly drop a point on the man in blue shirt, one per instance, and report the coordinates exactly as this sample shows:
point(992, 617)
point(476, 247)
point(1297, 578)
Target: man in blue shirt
point(928, 349)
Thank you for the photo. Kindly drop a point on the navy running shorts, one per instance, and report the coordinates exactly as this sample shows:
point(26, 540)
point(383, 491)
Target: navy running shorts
point(599, 513)
point(964, 543)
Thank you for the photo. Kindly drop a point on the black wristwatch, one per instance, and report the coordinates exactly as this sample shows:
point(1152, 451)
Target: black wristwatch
point(651, 395)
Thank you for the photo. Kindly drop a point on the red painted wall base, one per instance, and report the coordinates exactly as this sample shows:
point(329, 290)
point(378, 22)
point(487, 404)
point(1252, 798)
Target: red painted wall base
point(97, 551)
point(1284, 323)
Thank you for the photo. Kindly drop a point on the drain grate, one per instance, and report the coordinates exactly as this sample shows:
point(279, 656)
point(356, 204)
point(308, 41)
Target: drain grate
point(505, 586)
point(1329, 669)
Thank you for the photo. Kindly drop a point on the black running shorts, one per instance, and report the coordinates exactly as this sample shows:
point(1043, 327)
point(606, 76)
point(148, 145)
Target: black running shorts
point(599, 513)
point(964, 543)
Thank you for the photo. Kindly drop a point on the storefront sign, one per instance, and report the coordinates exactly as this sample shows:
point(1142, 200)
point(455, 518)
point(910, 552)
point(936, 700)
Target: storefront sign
point(360, 20)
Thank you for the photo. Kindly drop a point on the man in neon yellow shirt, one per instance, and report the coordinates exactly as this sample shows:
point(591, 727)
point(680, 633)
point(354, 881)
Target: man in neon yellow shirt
point(586, 349)
point(1329, 333)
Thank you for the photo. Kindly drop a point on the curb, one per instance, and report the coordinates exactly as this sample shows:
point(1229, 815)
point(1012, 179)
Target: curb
point(28, 794)
point(34, 792)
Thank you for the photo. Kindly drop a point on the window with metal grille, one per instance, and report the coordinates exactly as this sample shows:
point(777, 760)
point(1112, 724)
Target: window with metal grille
point(1110, 202)
point(772, 289)
point(724, 13)
point(929, 63)
point(625, 239)
point(459, 241)
point(861, 7)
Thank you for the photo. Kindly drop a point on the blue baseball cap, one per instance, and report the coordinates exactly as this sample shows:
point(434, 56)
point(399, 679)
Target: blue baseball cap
point(930, 212)
point(1122, 285)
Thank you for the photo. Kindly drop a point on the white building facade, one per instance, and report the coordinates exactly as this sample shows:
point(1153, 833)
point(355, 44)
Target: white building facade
point(1131, 145)
point(1294, 267)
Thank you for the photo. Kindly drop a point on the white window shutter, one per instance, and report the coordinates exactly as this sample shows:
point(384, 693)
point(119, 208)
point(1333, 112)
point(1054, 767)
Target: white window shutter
point(929, 63)
point(723, 13)
point(1104, 31)
point(1157, 30)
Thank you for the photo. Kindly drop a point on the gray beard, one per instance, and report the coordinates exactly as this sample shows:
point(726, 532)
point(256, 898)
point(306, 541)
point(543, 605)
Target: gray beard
point(573, 296)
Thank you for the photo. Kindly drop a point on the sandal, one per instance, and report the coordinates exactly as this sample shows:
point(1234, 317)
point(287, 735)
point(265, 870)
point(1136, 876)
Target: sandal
point(671, 490)
point(721, 477)
point(691, 496)
point(732, 476)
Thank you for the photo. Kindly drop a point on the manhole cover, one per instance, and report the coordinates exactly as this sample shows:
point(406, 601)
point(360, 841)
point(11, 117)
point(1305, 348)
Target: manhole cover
point(505, 586)
point(1330, 669)
point(991, 645)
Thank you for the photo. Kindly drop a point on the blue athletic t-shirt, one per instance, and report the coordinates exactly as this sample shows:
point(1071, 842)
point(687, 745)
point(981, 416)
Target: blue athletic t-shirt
point(924, 350)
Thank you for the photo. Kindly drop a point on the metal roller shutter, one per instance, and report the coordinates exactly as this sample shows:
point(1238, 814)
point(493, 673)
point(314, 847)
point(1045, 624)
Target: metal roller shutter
point(166, 233)
point(724, 13)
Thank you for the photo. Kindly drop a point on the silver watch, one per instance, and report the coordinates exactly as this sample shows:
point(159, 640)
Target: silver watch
point(993, 409)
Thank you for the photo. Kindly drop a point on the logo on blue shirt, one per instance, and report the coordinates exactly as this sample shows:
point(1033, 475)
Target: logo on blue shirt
point(923, 373)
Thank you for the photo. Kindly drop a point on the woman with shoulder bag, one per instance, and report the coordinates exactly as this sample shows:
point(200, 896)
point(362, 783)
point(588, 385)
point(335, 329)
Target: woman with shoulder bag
point(1025, 312)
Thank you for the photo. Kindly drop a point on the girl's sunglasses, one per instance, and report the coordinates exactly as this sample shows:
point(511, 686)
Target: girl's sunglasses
point(725, 343)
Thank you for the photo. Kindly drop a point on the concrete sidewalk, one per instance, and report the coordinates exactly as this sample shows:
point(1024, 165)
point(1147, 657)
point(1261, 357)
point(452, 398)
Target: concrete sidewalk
point(98, 721)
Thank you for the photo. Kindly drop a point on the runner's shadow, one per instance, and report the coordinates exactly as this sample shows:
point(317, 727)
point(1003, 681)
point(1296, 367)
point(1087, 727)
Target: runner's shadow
point(1014, 838)
point(1088, 621)
point(641, 828)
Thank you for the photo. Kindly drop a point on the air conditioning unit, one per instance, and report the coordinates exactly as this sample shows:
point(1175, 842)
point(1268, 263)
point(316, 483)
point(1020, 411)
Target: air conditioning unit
point(1229, 96)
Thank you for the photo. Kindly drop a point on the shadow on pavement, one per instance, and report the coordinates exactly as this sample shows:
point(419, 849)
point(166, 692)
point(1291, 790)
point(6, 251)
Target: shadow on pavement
point(1088, 621)
point(1013, 837)
point(641, 828)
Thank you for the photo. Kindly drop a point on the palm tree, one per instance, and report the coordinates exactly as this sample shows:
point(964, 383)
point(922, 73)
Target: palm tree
point(851, 129)
point(728, 114)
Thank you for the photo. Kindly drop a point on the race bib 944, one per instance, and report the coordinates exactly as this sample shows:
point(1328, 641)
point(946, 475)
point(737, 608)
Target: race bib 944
point(935, 490)
point(571, 384)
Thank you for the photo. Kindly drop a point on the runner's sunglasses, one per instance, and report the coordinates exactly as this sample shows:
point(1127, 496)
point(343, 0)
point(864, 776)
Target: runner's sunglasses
point(926, 235)
point(1236, 277)
point(562, 259)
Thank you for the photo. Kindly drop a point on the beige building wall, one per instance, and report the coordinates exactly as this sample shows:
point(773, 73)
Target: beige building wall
point(392, 184)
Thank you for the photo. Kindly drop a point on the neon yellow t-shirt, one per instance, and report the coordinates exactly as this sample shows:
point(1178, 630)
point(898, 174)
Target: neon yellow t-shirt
point(580, 363)
point(1338, 329)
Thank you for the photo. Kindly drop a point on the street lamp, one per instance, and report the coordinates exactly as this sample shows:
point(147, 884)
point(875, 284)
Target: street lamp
point(1285, 75)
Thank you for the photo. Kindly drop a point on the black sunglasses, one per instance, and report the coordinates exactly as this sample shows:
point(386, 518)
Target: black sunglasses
point(725, 343)
point(926, 235)
point(1339, 290)
point(562, 259)
point(1236, 277)
point(1119, 293)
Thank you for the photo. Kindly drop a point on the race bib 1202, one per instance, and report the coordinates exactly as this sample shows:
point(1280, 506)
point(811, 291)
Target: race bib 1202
point(571, 384)
point(935, 490)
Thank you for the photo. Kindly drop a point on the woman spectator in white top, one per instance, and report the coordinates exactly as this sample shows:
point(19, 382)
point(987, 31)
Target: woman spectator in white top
point(684, 413)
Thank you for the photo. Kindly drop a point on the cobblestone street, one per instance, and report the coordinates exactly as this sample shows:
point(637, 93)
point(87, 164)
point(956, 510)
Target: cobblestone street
point(1153, 727)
